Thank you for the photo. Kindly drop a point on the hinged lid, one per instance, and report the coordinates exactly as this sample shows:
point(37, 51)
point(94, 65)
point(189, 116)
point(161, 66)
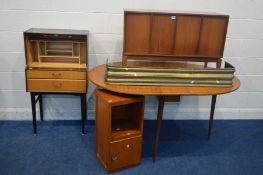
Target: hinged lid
point(174, 34)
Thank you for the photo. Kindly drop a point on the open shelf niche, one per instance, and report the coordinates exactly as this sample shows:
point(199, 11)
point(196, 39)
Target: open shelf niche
point(126, 120)
point(56, 52)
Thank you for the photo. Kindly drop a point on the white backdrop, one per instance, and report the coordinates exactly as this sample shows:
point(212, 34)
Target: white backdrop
point(104, 19)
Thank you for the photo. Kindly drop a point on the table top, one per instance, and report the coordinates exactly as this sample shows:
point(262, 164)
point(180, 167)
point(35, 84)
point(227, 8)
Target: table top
point(96, 76)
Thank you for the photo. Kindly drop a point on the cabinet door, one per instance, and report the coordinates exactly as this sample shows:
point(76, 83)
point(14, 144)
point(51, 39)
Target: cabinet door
point(162, 34)
point(137, 33)
point(125, 153)
point(187, 35)
point(212, 37)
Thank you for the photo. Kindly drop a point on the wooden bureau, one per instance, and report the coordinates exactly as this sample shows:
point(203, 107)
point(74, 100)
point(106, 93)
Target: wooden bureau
point(56, 63)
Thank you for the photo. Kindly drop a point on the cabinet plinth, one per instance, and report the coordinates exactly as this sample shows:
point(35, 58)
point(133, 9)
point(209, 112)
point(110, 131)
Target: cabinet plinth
point(119, 126)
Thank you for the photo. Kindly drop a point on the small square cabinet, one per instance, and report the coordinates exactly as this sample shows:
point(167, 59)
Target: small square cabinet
point(119, 126)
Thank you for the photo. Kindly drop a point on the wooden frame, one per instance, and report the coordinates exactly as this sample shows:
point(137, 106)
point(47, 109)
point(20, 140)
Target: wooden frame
point(119, 127)
point(56, 63)
point(176, 36)
point(46, 48)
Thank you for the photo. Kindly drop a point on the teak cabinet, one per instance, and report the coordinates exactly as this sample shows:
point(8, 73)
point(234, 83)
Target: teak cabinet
point(119, 126)
point(174, 35)
point(56, 63)
point(56, 60)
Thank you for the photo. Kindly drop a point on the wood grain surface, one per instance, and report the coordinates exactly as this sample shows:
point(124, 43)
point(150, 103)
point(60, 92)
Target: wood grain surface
point(96, 76)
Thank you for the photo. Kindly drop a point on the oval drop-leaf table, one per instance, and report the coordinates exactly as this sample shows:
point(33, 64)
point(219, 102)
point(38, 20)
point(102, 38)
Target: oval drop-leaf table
point(96, 76)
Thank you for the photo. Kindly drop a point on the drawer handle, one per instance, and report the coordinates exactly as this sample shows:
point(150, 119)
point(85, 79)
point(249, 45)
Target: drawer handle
point(128, 146)
point(114, 158)
point(56, 84)
point(56, 75)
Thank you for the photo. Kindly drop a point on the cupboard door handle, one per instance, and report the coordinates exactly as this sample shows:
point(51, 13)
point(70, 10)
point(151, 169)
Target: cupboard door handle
point(114, 157)
point(173, 17)
point(56, 75)
point(56, 84)
point(128, 146)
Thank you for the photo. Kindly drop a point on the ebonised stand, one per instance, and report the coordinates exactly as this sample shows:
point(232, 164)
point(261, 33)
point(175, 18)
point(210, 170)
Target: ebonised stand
point(39, 99)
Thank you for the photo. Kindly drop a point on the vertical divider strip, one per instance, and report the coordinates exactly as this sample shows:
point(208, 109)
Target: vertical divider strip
point(199, 36)
point(150, 33)
point(174, 35)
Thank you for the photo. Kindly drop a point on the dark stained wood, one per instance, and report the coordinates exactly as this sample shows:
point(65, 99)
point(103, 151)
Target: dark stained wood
point(175, 98)
point(178, 12)
point(127, 153)
point(102, 129)
point(212, 36)
point(96, 76)
point(158, 125)
point(162, 34)
point(119, 127)
point(56, 31)
point(187, 35)
point(174, 35)
point(211, 116)
point(137, 33)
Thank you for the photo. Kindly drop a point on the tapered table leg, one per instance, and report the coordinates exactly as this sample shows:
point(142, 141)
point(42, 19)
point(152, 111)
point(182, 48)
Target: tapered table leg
point(83, 112)
point(33, 105)
point(158, 125)
point(41, 107)
point(213, 104)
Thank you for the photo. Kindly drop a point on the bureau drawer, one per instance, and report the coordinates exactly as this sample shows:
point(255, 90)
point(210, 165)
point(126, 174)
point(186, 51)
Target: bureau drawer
point(42, 74)
point(124, 153)
point(58, 85)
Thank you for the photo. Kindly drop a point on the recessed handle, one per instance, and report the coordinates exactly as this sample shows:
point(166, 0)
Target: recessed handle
point(114, 157)
point(57, 84)
point(56, 75)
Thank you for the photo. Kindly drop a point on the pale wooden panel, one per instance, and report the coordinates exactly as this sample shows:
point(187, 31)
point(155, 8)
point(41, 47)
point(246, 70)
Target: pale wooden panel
point(49, 74)
point(58, 65)
point(56, 85)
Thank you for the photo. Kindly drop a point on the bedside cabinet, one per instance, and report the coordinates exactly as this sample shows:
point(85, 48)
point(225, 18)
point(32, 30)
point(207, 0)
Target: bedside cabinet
point(56, 63)
point(119, 127)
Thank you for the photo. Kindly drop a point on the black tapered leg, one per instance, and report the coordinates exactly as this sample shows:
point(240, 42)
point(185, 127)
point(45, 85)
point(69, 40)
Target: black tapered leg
point(33, 105)
point(83, 112)
point(213, 104)
point(158, 125)
point(41, 107)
